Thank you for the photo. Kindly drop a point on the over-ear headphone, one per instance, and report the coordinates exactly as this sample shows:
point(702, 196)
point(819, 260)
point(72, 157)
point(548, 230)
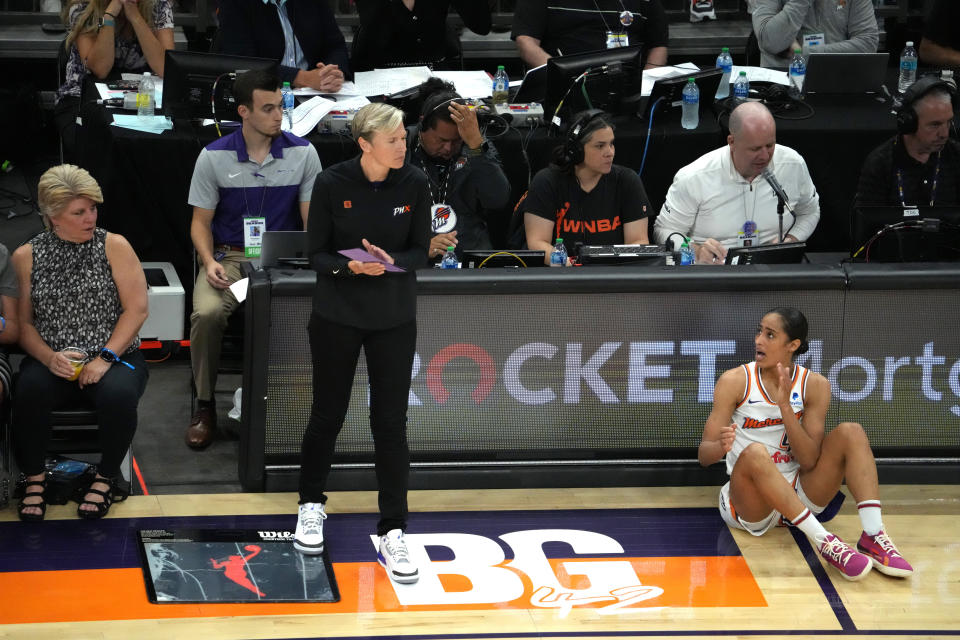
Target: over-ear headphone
point(442, 99)
point(572, 145)
point(907, 119)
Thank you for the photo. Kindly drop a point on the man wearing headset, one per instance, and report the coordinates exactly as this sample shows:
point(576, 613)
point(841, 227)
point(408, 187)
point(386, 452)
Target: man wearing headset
point(582, 197)
point(545, 29)
point(464, 172)
point(920, 166)
point(722, 200)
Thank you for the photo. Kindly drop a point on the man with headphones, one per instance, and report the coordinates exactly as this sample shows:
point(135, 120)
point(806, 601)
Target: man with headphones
point(582, 197)
point(464, 172)
point(920, 166)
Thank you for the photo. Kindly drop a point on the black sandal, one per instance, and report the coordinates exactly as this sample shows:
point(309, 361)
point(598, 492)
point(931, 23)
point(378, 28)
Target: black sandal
point(102, 508)
point(42, 505)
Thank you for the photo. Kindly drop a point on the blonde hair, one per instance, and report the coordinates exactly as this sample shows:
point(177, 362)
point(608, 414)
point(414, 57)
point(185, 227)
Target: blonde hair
point(60, 185)
point(89, 19)
point(374, 117)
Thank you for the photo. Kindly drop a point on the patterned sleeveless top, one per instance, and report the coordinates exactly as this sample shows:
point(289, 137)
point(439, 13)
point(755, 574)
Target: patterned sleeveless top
point(75, 300)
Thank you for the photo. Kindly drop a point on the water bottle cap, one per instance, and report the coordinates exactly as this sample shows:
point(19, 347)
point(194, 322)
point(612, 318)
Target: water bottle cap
point(743, 73)
point(449, 248)
point(798, 50)
point(559, 240)
point(725, 50)
point(909, 43)
point(499, 66)
point(691, 81)
point(146, 74)
point(286, 85)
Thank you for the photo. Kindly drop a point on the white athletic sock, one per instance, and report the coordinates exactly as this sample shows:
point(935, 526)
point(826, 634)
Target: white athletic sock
point(870, 518)
point(811, 527)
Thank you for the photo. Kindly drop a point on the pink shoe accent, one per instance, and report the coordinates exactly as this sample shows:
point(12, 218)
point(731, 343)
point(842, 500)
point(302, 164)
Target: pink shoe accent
point(884, 554)
point(851, 564)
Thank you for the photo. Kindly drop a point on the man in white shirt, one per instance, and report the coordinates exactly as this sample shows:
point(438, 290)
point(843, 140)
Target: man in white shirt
point(721, 200)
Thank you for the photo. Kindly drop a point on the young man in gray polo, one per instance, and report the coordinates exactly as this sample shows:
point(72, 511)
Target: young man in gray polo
point(255, 179)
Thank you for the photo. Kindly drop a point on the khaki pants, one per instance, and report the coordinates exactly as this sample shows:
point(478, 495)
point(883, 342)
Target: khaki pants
point(211, 310)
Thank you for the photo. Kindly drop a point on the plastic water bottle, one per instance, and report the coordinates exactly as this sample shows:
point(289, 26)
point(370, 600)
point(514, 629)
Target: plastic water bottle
point(288, 104)
point(798, 73)
point(687, 256)
point(146, 102)
point(450, 260)
point(946, 75)
point(558, 257)
point(908, 67)
point(725, 62)
point(501, 86)
point(690, 117)
point(741, 88)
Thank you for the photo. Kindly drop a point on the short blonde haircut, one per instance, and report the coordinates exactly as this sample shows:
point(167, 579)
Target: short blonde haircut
point(60, 185)
point(375, 117)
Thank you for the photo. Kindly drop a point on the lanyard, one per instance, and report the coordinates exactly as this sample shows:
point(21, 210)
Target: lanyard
point(438, 196)
point(933, 187)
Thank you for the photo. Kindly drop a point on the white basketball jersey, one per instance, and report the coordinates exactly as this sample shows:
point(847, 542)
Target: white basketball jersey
point(758, 419)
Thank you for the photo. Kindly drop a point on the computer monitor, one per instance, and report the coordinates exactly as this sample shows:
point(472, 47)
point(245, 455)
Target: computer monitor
point(284, 249)
point(188, 78)
point(908, 235)
point(786, 253)
point(669, 91)
point(483, 258)
point(612, 82)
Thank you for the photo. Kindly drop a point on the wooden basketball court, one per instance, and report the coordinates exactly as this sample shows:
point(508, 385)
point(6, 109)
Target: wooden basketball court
point(538, 563)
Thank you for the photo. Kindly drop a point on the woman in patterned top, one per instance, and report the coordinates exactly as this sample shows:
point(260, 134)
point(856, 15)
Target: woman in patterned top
point(80, 288)
point(106, 37)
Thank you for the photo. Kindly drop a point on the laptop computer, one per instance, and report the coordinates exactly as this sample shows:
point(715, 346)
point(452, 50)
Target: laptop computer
point(534, 86)
point(849, 73)
point(785, 253)
point(670, 91)
point(284, 249)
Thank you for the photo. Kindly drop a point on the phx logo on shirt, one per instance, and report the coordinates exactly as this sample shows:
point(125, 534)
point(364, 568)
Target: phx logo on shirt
point(397, 211)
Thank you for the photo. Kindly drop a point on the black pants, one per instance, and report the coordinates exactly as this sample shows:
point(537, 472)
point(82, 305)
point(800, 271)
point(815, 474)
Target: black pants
point(335, 349)
point(38, 392)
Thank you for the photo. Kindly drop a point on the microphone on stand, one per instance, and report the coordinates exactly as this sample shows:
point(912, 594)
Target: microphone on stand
point(782, 199)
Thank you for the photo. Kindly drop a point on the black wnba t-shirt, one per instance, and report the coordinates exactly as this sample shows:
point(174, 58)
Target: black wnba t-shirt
point(589, 218)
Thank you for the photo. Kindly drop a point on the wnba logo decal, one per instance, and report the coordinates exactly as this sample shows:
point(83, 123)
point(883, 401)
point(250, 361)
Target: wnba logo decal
point(488, 374)
point(235, 569)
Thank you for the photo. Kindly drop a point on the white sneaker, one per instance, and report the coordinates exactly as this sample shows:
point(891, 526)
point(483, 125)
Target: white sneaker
point(309, 536)
point(393, 555)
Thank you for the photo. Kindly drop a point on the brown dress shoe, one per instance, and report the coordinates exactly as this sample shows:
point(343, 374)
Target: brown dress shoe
point(202, 427)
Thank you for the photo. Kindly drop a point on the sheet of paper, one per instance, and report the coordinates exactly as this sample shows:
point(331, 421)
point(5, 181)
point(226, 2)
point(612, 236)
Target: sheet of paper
point(239, 289)
point(308, 114)
point(361, 255)
point(156, 124)
point(469, 84)
point(382, 82)
point(348, 89)
point(652, 75)
point(759, 74)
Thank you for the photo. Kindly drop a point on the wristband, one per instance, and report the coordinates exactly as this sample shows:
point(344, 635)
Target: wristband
point(107, 22)
point(3, 324)
point(110, 356)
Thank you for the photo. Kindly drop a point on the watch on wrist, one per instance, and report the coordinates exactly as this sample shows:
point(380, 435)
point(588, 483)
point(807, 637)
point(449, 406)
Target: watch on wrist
point(108, 355)
point(107, 22)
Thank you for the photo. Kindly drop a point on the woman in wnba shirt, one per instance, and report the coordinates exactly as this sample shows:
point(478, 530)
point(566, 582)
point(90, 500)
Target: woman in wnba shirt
point(768, 423)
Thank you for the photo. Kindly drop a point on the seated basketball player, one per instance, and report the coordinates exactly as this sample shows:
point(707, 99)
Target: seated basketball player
point(768, 422)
